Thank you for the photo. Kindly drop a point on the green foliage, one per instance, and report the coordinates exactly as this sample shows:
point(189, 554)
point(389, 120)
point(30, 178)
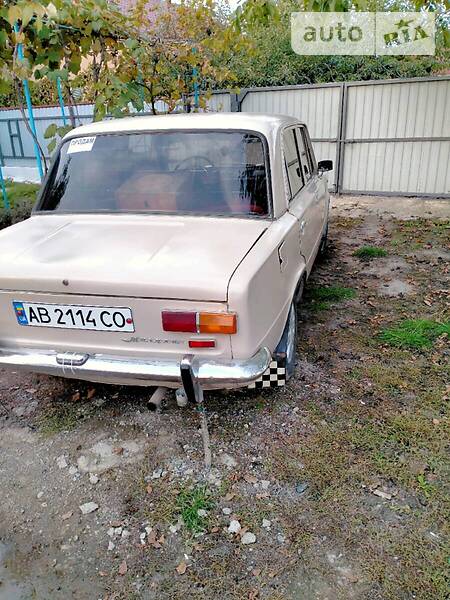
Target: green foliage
point(21, 197)
point(42, 92)
point(415, 334)
point(189, 502)
point(369, 252)
point(128, 59)
point(273, 62)
point(321, 297)
point(55, 133)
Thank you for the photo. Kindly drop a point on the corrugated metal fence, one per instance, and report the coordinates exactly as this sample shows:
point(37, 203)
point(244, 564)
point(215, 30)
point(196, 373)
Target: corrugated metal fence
point(385, 137)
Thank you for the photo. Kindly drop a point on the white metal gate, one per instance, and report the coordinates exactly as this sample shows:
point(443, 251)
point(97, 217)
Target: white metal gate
point(385, 137)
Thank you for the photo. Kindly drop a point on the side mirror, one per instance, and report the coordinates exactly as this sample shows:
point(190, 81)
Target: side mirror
point(325, 165)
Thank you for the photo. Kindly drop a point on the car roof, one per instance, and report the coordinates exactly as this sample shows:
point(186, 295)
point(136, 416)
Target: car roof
point(262, 123)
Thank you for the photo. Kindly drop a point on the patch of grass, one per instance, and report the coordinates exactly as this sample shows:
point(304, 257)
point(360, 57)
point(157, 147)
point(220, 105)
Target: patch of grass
point(415, 334)
point(62, 416)
point(21, 197)
point(189, 502)
point(415, 233)
point(322, 297)
point(347, 222)
point(370, 252)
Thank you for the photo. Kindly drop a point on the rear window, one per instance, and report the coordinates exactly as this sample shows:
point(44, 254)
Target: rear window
point(202, 172)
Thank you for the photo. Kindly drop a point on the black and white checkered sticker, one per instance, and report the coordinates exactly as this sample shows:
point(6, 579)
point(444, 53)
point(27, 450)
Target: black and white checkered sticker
point(273, 376)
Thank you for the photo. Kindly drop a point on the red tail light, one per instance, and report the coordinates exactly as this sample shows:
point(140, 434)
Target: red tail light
point(202, 344)
point(199, 322)
point(179, 321)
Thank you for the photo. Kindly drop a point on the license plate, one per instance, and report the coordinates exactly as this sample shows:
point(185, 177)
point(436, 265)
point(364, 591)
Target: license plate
point(67, 316)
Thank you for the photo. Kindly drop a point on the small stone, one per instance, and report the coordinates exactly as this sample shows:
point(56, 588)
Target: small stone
point(281, 538)
point(248, 538)
point(93, 478)
point(266, 523)
point(382, 494)
point(123, 568)
point(118, 531)
point(61, 462)
point(125, 533)
point(226, 510)
point(88, 507)
point(301, 487)
point(110, 531)
point(202, 512)
point(111, 546)
point(73, 470)
point(265, 484)
point(39, 496)
point(227, 460)
point(234, 526)
point(66, 515)
point(157, 473)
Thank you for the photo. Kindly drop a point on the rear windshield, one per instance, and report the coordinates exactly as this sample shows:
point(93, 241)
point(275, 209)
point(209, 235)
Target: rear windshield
point(206, 172)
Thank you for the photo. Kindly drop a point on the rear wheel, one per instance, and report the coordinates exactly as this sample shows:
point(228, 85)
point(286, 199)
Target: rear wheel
point(287, 346)
point(324, 242)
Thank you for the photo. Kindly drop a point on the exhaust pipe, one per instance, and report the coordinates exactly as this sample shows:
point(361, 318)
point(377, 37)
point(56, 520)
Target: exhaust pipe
point(156, 398)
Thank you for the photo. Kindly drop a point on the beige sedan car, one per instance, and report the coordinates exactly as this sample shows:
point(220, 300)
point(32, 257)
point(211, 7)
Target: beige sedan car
point(167, 251)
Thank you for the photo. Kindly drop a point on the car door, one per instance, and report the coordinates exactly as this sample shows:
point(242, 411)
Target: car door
point(321, 182)
point(301, 193)
point(314, 185)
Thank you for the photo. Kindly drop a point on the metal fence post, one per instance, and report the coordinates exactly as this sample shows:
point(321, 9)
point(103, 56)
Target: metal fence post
point(30, 110)
point(2, 184)
point(234, 104)
point(61, 101)
point(342, 128)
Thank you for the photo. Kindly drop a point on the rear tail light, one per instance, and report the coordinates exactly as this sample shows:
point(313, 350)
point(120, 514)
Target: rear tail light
point(217, 323)
point(179, 321)
point(202, 344)
point(199, 322)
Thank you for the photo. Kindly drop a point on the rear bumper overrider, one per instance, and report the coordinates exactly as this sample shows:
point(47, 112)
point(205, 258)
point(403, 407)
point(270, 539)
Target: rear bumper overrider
point(201, 371)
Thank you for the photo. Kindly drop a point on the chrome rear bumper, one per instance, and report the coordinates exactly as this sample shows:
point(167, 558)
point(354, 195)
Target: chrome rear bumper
point(205, 372)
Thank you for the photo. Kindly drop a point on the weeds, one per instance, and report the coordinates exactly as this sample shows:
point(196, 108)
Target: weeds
point(370, 252)
point(415, 334)
point(61, 416)
point(192, 501)
point(321, 297)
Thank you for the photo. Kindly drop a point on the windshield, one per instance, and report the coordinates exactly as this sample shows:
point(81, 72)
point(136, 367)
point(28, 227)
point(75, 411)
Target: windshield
point(206, 172)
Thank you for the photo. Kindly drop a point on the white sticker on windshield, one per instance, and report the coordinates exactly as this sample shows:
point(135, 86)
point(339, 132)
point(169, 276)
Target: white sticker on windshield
point(83, 144)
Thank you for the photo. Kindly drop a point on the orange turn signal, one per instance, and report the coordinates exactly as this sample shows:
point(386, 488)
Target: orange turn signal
point(217, 323)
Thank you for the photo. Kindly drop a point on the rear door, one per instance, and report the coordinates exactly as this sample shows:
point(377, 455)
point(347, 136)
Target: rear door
point(302, 197)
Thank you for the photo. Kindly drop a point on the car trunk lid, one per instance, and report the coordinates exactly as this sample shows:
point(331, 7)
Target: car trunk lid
point(146, 256)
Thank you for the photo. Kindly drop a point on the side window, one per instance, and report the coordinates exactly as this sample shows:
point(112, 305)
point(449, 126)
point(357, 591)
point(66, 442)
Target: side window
point(292, 162)
point(305, 158)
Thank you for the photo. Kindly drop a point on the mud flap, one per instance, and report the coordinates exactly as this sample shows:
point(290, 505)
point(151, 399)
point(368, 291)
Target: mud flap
point(273, 376)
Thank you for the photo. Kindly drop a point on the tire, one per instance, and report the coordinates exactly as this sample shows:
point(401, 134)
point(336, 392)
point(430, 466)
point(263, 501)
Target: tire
point(324, 242)
point(287, 346)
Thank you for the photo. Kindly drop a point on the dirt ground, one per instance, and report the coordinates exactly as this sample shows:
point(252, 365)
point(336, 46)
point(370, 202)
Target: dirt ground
point(333, 487)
